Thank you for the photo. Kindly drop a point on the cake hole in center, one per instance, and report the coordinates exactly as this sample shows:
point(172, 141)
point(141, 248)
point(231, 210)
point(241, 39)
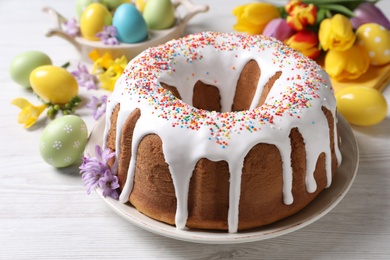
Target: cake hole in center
point(208, 97)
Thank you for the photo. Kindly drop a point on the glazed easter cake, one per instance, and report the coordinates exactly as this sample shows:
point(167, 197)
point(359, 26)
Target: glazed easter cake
point(222, 131)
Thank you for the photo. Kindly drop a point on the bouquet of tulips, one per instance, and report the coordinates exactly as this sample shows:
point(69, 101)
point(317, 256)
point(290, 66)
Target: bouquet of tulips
point(351, 34)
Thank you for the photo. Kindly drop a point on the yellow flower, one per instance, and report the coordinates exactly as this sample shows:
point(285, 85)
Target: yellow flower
point(336, 33)
point(349, 64)
point(112, 72)
point(102, 63)
point(107, 69)
point(252, 18)
point(30, 113)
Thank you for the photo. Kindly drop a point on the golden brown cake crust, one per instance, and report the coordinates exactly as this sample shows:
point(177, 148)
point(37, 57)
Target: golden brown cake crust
point(261, 199)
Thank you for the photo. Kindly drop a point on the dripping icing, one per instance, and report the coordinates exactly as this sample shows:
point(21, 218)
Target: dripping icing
point(138, 88)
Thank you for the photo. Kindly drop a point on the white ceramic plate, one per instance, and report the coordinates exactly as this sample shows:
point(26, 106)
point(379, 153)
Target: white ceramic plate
point(319, 207)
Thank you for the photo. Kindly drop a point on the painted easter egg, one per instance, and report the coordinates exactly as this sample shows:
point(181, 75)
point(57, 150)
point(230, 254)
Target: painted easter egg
point(113, 4)
point(130, 24)
point(361, 106)
point(159, 14)
point(140, 5)
point(63, 141)
point(93, 20)
point(54, 84)
point(24, 63)
point(81, 5)
point(375, 39)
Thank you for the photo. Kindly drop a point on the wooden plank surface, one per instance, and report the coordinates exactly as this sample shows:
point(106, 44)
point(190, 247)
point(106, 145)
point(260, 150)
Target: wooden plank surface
point(46, 214)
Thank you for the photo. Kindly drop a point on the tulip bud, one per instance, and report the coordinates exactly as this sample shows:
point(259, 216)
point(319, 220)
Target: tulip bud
point(348, 64)
point(336, 33)
point(252, 18)
point(306, 42)
point(279, 29)
point(369, 13)
point(301, 16)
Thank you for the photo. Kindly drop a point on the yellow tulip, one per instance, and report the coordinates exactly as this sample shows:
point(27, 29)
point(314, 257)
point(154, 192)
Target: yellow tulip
point(336, 33)
point(252, 18)
point(30, 113)
point(349, 64)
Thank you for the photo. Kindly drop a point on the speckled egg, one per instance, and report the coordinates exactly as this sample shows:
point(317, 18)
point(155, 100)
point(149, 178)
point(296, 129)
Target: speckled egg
point(159, 14)
point(93, 20)
point(54, 84)
point(375, 39)
point(130, 24)
point(361, 106)
point(24, 63)
point(63, 141)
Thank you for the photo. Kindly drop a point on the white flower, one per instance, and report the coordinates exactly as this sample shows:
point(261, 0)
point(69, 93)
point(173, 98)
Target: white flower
point(76, 144)
point(68, 128)
point(57, 145)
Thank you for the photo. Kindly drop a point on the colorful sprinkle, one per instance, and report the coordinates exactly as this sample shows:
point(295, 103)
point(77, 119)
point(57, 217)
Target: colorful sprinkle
point(146, 69)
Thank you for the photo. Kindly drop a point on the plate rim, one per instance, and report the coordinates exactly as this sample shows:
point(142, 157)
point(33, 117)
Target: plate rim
point(290, 224)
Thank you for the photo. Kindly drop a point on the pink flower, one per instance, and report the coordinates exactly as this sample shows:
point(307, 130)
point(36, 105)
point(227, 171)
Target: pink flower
point(279, 29)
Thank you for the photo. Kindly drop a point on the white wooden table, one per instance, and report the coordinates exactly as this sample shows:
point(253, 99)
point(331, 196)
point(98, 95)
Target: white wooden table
point(46, 214)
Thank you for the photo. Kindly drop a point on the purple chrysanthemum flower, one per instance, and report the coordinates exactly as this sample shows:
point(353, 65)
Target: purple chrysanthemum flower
point(96, 173)
point(108, 35)
point(71, 27)
point(84, 78)
point(98, 105)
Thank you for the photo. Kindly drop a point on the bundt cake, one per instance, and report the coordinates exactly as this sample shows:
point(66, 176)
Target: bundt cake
point(222, 131)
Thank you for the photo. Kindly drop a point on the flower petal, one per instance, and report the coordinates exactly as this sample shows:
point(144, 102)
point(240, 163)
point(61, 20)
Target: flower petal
point(21, 102)
point(349, 64)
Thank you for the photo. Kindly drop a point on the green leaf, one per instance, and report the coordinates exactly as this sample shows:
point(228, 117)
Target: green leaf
point(321, 2)
point(321, 15)
point(351, 4)
point(338, 9)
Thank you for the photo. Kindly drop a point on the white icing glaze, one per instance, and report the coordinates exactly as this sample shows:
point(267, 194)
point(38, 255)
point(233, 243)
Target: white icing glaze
point(294, 101)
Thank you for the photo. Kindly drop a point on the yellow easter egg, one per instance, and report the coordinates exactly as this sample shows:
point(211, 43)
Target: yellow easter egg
point(375, 39)
point(93, 20)
point(54, 84)
point(361, 106)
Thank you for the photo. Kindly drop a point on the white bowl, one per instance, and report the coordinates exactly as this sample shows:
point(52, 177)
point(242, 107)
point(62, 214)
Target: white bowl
point(155, 37)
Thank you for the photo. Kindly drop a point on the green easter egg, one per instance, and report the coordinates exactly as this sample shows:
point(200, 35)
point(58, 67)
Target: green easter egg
point(63, 141)
point(113, 4)
point(23, 64)
point(159, 14)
